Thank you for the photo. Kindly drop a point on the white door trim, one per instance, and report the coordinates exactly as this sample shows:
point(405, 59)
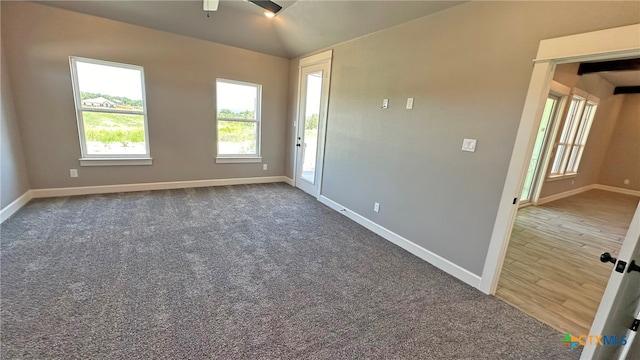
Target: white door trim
point(325, 59)
point(598, 45)
point(322, 57)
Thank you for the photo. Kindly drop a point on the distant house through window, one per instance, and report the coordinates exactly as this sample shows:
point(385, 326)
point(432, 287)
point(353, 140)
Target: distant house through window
point(111, 109)
point(238, 121)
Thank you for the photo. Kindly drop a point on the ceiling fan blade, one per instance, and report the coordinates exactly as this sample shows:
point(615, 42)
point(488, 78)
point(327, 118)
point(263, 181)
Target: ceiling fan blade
point(210, 5)
point(267, 5)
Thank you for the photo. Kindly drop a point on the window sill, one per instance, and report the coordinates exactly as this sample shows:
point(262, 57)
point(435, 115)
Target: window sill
point(238, 160)
point(115, 161)
point(561, 177)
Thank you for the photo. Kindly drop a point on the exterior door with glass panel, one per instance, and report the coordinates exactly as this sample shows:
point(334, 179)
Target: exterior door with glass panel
point(314, 81)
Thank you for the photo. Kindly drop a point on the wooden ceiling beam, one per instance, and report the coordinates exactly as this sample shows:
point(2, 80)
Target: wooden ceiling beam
point(615, 65)
point(626, 90)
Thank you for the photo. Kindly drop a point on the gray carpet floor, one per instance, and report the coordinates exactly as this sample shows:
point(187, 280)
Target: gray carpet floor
point(236, 272)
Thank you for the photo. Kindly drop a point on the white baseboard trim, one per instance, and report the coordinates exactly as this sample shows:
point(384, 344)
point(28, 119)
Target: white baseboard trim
point(417, 250)
point(565, 194)
point(579, 190)
point(106, 189)
point(617, 189)
point(289, 181)
point(15, 205)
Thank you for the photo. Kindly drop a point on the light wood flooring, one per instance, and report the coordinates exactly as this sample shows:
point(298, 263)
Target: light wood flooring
point(552, 269)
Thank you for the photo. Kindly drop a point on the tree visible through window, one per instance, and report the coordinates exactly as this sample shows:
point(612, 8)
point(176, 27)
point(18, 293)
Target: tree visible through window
point(238, 118)
point(110, 107)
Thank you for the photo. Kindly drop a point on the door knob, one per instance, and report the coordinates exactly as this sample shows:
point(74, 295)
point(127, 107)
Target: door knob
point(633, 267)
point(606, 257)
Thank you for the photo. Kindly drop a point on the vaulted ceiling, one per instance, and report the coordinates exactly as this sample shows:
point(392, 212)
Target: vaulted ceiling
point(301, 27)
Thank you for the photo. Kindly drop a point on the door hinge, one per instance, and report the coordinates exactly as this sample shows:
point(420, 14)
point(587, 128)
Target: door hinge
point(635, 325)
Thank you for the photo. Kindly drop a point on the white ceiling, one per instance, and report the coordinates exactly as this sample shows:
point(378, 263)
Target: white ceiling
point(299, 28)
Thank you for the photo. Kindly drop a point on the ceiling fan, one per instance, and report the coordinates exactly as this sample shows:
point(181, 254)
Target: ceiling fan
point(270, 6)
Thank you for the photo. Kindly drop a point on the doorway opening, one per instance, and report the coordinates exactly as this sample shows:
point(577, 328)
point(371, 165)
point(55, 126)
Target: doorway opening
point(550, 270)
point(619, 43)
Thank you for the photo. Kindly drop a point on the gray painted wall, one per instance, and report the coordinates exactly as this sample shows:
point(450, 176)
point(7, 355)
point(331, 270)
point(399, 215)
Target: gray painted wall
point(622, 160)
point(468, 69)
point(14, 180)
point(602, 128)
point(180, 75)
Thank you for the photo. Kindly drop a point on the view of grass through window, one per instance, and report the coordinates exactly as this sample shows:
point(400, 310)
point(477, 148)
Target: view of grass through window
point(237, 137)
point(110, 130)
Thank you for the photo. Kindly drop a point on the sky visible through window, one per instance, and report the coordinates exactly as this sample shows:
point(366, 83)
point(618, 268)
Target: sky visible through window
point(236, 97)
point(109, 80)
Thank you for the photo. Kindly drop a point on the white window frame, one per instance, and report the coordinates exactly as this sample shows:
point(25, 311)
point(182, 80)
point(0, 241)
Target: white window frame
point(579, 121)
point(241, 158)
point(108, 159)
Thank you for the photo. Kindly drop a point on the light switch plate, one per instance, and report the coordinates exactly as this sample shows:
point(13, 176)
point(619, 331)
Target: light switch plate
point(409, 103)
point(385, 103)
point(469, 145)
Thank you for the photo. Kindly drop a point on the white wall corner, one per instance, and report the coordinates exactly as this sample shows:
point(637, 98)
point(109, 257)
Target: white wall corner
point(417, 250)
point(16, 205)
point(617, 190)
point(288, 180)
point(562, 195)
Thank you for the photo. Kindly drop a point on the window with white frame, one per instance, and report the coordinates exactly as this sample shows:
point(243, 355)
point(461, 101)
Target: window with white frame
point(111, 109)
point(238, 121)
point(573, 137)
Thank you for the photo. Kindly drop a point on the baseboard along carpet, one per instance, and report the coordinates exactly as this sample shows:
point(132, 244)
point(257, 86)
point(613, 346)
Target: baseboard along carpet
point(236, 272)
